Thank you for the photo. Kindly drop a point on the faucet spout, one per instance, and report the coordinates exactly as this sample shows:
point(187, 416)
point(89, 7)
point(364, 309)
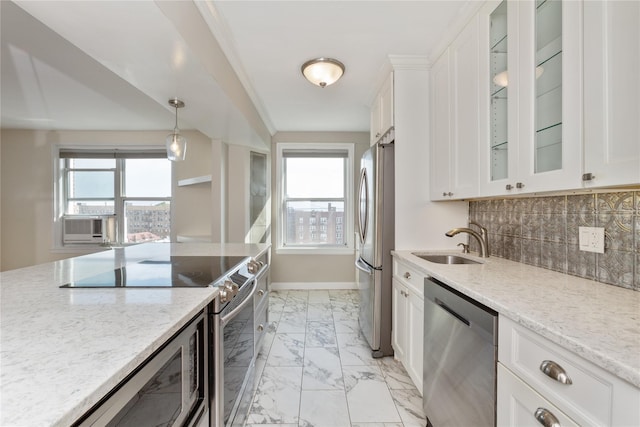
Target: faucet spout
point(483, 233)
point(482, 240)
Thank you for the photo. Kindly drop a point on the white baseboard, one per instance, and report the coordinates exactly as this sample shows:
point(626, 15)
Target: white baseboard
point(308, 286)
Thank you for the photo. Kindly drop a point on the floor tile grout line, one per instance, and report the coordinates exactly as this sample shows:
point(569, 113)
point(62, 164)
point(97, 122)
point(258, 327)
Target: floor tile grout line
point(378, 364)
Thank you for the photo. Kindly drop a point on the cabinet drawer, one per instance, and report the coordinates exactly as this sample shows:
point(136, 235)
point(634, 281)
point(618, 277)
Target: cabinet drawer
point(519, 405)
point(409, 277)
point(594, 397)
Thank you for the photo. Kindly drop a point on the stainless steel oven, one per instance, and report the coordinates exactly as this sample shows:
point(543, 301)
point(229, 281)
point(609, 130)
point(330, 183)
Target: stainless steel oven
point(169, 389)
point(233, 346)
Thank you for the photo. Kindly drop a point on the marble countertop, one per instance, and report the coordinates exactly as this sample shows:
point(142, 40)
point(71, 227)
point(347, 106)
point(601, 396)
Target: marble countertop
point(599, 322)
point(61, 350)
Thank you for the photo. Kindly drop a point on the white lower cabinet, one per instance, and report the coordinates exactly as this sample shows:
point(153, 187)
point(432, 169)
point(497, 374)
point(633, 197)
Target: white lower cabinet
point(520, 405)
point(407, 321)
point(539, 372)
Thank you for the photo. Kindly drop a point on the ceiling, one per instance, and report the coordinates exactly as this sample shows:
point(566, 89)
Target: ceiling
point(86, 65)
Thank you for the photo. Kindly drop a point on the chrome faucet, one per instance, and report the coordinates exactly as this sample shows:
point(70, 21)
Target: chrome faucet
point(480, 237)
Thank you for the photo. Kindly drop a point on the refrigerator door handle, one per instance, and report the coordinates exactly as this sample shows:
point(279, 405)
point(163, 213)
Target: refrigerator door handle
point(362, 266)
point(363, 213)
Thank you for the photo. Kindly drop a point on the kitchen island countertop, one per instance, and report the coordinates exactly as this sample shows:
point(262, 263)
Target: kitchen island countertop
point(61, 350)
point(596, 321)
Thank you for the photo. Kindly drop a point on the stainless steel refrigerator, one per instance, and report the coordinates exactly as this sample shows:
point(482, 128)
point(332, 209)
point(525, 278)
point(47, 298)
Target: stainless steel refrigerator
point(375, 226)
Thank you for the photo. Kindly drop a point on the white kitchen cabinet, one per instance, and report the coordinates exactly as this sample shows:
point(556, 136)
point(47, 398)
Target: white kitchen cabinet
point(535, 128)
point(440, 128)
point(382, 110)
point(521, 406)
point(399, 320)
point(593, 396)
point(407, 320)
point(611, 93)
point(456, 134)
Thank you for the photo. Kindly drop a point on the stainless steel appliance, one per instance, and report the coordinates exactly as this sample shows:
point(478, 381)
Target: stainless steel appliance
point(169, 389)
point(460, 351)
point(233, 344)
point(375, 221)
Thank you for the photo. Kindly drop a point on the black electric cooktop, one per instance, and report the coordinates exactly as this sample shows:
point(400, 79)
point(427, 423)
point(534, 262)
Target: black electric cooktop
point(172, 272)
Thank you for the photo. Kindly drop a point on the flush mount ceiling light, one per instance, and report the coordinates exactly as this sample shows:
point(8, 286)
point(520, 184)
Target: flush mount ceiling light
point(176, 143)
point(323, 71)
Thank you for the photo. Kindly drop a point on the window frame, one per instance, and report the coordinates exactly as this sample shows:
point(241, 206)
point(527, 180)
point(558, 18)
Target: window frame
point(120, 199)
point(317, 249)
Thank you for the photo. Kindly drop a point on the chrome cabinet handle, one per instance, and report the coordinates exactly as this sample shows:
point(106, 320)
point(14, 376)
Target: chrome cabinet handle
point(555, 371)
point(546, 418)
point(407, 275)
point(260, 327)
point(261, 292)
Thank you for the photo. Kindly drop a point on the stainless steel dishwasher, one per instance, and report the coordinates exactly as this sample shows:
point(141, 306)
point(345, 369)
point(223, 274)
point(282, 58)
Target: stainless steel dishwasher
point(460, 350)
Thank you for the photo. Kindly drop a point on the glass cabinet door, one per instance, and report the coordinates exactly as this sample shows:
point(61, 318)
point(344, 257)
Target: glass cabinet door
point(548, 86)
point(499, 84)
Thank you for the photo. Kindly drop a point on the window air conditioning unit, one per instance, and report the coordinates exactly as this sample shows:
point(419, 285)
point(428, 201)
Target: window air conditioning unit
point(84, 229)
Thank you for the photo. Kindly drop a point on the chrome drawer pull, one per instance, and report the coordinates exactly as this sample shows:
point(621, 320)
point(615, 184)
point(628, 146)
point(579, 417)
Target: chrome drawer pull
point(260, 327)
point(261, 292)
point(546, 418)
point(555, 371)
point(407, 275)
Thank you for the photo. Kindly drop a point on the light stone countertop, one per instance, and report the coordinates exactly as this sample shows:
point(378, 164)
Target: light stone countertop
point(61, 350)
point(599, 322)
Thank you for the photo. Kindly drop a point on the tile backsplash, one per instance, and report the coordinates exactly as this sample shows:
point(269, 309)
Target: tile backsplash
point(543, 231)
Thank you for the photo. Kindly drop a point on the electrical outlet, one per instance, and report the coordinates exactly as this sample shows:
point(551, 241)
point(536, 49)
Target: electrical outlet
point(591, 239)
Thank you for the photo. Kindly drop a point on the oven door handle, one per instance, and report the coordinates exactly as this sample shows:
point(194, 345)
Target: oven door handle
point(248, 300)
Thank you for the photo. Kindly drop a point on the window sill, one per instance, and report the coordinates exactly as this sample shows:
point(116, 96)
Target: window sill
point(315, 251)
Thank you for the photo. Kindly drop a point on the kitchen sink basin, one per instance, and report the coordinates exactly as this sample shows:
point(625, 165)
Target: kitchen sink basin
point(446, 259)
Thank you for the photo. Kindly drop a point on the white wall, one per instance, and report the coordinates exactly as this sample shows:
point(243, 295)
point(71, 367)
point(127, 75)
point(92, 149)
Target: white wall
point(193, 205)
point(27, 186)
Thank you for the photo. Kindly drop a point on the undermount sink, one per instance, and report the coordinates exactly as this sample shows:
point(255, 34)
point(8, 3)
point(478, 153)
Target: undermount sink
point(446, 259)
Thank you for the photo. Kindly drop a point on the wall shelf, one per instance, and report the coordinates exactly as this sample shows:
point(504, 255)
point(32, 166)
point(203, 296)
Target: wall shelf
point(194, 181)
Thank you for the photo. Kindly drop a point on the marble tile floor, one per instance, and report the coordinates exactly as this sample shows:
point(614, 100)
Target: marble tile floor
point(315, 370)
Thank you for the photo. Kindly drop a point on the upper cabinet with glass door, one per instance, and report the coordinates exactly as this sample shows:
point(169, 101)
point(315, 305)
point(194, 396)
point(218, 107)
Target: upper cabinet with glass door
point(549, 95)
point(498, 55)
point(534, 102)
point(499, 156)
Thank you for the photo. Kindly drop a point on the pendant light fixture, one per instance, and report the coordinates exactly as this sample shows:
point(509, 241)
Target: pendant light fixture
point(323, 71)
point(176, 143)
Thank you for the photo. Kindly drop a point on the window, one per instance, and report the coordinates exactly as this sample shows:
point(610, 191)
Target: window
point(132, 187)
point(315, 187)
